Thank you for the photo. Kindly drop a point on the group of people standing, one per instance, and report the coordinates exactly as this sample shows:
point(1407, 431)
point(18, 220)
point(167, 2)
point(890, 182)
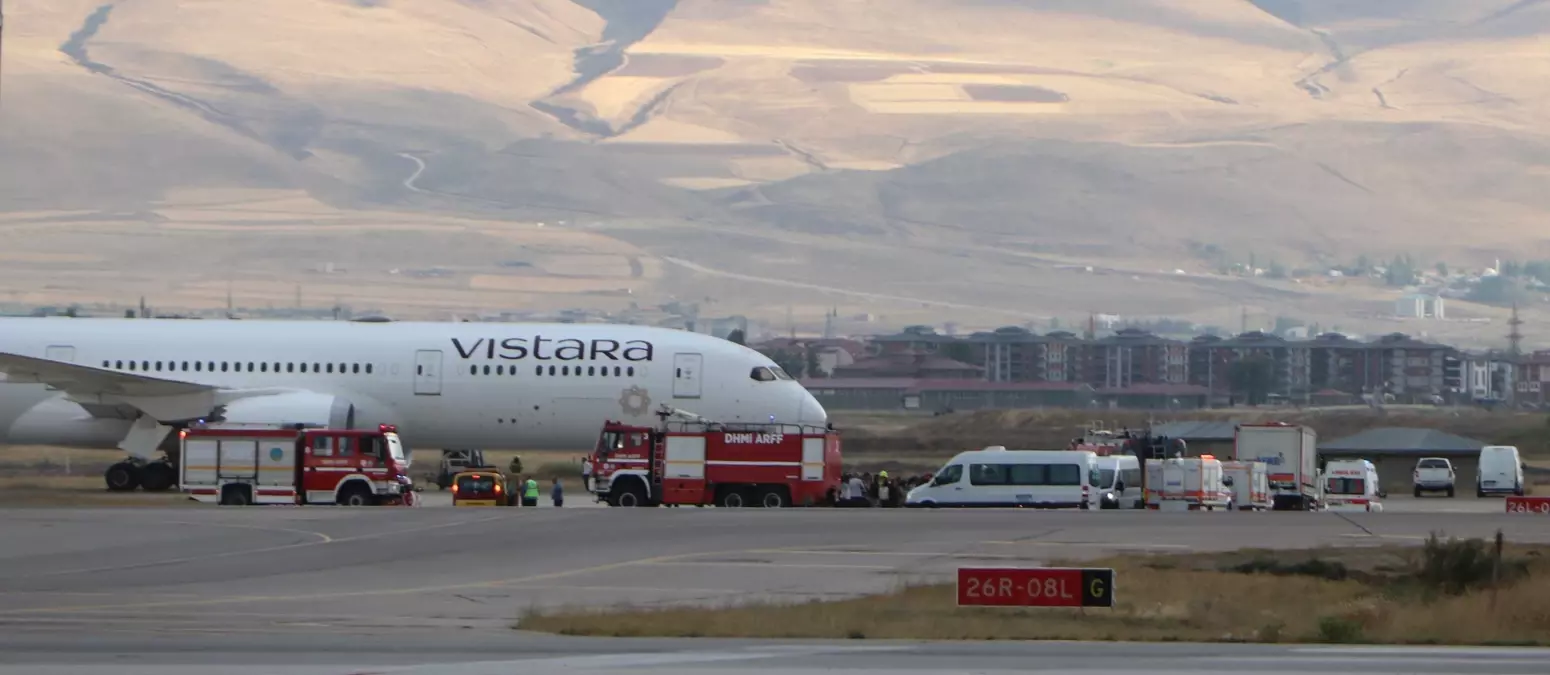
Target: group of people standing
point(529, 486)
point(865, 490)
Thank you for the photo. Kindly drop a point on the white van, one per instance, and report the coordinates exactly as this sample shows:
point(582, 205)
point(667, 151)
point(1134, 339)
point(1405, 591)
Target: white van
point(1500, 473)
point(1119, 482)
point(1250, 484)
point(1187, 484)
point(1351, 485)
point(1049, 479)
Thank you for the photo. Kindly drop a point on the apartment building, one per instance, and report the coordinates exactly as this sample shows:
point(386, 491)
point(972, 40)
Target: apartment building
point(1328, 367)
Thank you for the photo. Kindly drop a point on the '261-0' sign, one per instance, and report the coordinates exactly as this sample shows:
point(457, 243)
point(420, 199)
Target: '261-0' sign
point(1535, 505)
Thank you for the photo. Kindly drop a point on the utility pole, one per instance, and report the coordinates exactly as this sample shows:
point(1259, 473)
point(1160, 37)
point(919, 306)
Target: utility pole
point(2, 39)
point(1210, 376)
point(1514, 334)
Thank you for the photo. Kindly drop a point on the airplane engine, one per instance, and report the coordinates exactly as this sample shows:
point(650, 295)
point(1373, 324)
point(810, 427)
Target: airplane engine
point(303, 407)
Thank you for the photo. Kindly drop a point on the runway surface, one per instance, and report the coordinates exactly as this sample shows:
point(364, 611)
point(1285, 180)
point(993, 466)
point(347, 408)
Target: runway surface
point(334, 590)
point(486, 654)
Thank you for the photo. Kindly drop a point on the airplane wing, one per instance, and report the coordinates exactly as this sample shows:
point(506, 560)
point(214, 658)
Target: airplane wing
point(87, 381)
point(106, 393)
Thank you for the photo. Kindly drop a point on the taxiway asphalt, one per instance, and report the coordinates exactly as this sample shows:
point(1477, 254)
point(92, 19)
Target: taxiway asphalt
point(325, 587)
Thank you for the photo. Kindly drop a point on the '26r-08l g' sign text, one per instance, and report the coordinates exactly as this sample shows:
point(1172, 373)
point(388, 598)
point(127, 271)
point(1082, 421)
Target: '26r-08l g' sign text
point(1035, 587)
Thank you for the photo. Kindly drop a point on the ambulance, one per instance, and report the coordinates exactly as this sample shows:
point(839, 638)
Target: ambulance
point(1351, 485)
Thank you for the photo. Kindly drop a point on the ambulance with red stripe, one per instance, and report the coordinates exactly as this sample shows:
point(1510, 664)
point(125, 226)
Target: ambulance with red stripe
point(1351, 485)
point(295, 465)
point(704, 463)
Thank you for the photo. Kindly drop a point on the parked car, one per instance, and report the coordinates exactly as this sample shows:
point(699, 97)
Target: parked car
point(1434, 474)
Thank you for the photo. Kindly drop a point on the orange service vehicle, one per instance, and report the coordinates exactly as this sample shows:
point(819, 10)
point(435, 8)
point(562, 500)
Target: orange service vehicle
point(481, 487)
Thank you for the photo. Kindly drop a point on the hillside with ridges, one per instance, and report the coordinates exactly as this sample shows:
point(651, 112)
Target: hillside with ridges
point(846, 145)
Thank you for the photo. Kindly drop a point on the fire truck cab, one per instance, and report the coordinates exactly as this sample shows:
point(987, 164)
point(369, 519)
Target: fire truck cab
point(295, 465)
point(707, 463)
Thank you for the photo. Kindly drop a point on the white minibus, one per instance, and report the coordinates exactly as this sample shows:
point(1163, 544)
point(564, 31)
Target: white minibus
point(1049, 479)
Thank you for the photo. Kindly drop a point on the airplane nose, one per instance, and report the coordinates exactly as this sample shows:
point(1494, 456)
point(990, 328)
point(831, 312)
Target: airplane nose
point(812, 412)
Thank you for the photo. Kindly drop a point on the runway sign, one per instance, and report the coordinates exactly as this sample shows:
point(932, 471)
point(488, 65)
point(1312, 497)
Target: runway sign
point(1035, 587)
point(1537, 505)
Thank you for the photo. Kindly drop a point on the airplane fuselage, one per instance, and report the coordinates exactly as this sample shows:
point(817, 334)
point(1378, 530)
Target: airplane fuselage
point(445, 385)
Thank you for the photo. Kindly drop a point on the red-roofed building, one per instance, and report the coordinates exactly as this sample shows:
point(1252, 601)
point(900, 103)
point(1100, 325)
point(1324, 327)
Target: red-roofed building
point(913, 366)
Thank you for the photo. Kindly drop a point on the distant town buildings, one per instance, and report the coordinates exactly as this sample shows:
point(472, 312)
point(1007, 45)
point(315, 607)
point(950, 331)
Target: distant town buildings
point(1131, 368)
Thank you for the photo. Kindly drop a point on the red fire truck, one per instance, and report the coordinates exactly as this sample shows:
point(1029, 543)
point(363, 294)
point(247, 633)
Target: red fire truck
point(701, 462)
point(295, 465)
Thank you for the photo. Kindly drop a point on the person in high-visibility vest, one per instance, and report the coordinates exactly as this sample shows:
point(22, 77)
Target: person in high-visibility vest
point(530, 493)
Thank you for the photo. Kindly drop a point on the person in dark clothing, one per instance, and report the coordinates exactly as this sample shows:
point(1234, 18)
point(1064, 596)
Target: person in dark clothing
point(557, 493)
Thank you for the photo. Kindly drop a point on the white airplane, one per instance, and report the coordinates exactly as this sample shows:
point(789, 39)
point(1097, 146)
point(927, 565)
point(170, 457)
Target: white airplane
point(129, 383)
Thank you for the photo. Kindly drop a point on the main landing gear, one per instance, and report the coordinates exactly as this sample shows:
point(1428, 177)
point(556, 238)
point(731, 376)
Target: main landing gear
point(139, 469)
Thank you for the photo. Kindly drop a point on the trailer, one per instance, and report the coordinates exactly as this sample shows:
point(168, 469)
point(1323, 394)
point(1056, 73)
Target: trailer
point(704, 463)
point(294, 465)
point(1290, 455)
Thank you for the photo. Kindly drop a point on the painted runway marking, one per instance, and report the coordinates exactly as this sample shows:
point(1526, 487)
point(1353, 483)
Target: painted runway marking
point(1406, 537)
point(900, 554)
point(380, 592)
point(751, 563)
point(323, 539)
point(1118, 545)
point(1426, 650)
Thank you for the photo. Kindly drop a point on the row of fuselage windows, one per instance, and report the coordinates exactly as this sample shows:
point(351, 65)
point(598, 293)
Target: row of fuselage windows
point(238, 367)
point(347, 368)
point(558, 371)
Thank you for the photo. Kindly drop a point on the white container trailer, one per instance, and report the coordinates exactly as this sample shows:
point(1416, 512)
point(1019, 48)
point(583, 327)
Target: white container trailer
point(1291, 455)
point(1186, 484)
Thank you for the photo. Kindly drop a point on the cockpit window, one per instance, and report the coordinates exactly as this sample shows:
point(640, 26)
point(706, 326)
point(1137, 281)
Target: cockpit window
point(762, 374)
point(781, 373)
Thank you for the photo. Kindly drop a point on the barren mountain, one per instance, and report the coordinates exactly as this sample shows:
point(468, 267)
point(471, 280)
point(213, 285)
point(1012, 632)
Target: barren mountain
point(901, 156)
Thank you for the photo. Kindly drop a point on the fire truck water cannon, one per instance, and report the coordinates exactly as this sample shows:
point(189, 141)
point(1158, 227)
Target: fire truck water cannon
point(689, 459)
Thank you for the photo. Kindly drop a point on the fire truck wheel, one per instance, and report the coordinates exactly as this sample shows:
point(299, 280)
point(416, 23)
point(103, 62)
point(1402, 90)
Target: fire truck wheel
point(630, 496)
point(774, 498)
point(236, 495)
point(122, 477)
point(355, 495)
point(732, 499)
point(157, 477)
